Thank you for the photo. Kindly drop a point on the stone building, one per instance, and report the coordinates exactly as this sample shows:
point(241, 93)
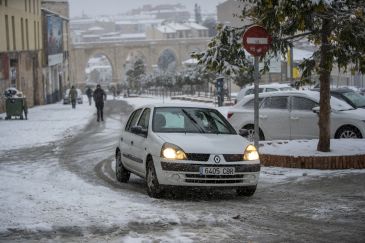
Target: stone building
point(20, 49)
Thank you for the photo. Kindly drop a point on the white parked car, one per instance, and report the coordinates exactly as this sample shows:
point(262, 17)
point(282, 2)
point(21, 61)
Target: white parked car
point(195, 146)
point(262, 89)
point(294, 115)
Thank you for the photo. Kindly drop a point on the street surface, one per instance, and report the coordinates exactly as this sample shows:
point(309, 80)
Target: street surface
point(307, 208)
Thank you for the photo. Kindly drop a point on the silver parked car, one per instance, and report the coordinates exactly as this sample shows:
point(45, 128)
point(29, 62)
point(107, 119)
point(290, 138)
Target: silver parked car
point(294, 115)
point(182, 145)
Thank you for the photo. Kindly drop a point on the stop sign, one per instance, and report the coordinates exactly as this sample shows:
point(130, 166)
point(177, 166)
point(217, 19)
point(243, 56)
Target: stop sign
point(256, 40)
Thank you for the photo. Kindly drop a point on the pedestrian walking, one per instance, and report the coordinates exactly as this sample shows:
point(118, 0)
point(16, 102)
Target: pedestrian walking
point(73, 96)
point(99, 98)
point(89, 93)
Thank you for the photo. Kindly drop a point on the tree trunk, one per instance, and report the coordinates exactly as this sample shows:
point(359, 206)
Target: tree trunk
point(325, 66)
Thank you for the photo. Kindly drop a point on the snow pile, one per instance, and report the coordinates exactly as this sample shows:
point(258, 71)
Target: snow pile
point(309, 147)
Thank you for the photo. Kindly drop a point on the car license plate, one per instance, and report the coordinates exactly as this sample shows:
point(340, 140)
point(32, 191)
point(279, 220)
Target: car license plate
point(217, 170)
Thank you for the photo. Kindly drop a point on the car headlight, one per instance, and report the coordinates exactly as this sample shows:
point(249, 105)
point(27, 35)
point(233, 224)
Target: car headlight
point(250, 153)
point(173, 152)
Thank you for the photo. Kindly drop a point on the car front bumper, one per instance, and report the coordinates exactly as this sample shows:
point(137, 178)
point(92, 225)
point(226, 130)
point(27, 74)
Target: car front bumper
point(187, 173)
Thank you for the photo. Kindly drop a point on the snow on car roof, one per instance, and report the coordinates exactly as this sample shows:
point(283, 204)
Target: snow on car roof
point(177, 105)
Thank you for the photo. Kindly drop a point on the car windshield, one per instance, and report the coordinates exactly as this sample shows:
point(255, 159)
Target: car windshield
point(190, 120)
point(357, 99)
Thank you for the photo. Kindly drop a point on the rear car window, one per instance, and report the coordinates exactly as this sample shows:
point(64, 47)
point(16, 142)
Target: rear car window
point(276, 102)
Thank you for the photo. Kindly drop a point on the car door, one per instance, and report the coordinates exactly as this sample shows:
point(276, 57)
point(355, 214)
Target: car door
point(139, 142)
point(126, 140)
point(274, 117)
point(303, 121)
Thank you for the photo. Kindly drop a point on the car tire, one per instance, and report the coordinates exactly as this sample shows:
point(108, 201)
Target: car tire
point(348, 132)
point(153, 186)
point(251, 133)
point(246, 191)
point(121, 173)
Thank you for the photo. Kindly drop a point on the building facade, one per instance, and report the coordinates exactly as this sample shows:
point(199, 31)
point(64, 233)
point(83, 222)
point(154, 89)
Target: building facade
point(21, 49)
point(55, 72)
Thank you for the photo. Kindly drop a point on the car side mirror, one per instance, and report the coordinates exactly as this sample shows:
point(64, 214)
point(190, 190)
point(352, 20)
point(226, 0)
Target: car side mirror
point(243, 133)
point(139, 130)
point(315, 109)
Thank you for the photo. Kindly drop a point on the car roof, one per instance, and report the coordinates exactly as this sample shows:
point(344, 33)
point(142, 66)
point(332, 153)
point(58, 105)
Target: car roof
point(156, 105)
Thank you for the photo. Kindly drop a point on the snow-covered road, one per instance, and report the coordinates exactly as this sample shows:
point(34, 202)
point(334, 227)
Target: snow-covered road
point(65, 190)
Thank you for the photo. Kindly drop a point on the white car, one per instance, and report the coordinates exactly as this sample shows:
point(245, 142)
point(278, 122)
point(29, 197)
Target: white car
point(262, 89)
point(294, 115)
point(194, 146)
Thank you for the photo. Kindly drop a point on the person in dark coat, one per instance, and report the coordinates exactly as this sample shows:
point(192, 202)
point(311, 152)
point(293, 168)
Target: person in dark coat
point(99, 98)
point(89, 93)
point(73, 96)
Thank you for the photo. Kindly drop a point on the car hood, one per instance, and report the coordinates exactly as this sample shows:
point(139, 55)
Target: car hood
point(207, 143)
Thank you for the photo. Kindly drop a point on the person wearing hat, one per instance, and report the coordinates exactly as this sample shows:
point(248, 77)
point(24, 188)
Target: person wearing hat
point(99, 98)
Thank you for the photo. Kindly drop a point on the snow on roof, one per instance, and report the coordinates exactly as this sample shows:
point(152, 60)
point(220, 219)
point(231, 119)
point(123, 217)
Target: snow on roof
point(299, 54)
point(165, 29)
point(95, 28)
point(82, 21)
point(196, 26)
point(177, 26)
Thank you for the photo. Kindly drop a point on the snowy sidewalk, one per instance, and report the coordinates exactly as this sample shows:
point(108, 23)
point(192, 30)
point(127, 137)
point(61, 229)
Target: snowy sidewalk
point(45, 124)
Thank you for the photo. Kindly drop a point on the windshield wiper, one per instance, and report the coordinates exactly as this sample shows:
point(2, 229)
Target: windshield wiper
point(201, 130)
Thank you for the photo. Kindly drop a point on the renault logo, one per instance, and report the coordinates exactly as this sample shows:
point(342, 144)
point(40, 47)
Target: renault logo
point(217, 159)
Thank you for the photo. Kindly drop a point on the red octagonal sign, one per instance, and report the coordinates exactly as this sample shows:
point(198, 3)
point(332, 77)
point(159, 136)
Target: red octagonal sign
point(256, 40)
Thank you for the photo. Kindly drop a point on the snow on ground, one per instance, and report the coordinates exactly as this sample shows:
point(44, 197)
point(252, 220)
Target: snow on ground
point(37, 195)
point(45, 124)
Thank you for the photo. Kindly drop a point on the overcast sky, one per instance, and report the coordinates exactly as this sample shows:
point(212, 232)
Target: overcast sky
point(98, 7)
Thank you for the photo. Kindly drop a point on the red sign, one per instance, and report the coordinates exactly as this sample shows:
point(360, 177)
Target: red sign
point(256, 40)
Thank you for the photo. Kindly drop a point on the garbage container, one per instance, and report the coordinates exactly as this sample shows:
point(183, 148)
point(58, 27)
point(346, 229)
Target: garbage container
point(15, 104)
point(16, 107)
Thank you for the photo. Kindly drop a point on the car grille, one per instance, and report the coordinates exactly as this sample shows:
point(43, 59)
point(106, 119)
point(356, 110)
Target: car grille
point(197, 157)
point(214, 179)
point(233, 157)
point(195, 167)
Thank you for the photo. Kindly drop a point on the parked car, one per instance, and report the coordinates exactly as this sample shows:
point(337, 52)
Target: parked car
point(353, 98)
point(262, 89)
point(66, 97)
point(194, 146)
point(293, 115)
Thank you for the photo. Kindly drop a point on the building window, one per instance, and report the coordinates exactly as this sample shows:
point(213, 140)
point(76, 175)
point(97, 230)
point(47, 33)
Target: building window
point(27, 33)
point(7, 32)
point(26, 6)
point(14, 34)
point(35, 35)
point(34, 6)
point(6, 3)
point(39, 45)
point(22, 30)
point(30, 6)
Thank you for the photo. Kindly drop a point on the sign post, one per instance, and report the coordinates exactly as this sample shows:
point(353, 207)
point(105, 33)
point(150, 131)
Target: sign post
point(256, 41)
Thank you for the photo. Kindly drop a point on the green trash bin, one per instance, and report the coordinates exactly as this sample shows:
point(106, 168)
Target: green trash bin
point(16, 107)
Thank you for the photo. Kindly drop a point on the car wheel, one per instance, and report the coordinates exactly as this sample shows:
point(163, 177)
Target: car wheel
point(251, 133)
point(121, 173)
point(246, 191)
point(153, 186)
point(348, 132)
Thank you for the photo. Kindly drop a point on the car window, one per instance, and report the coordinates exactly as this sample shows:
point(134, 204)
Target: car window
point(250, 103)
point(132, 119)
point(145, 117)
point(301, 103)
point(190, 120)
point(252, 91)
point(271, 90)
point(275, 102)
point(355, 98)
